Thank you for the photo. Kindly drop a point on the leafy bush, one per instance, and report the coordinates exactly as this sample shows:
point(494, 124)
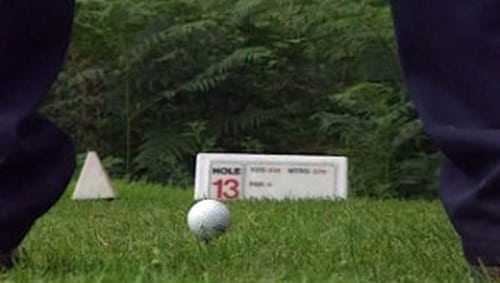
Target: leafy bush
point(378, 131)
point(154, 82)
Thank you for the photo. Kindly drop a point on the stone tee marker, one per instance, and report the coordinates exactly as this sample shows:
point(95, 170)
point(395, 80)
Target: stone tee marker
point(93, 182)
point(255, 176)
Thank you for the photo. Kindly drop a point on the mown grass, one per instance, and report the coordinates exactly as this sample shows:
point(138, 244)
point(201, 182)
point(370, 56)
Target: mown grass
point(142, 237)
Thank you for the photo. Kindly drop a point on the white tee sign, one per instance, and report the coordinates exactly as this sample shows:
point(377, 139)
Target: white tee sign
point(255, 176)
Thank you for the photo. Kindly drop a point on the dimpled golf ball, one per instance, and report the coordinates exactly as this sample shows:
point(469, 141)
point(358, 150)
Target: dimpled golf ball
point(208, 219)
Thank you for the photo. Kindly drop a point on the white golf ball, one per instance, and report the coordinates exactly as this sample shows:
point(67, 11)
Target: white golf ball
point(208, 219)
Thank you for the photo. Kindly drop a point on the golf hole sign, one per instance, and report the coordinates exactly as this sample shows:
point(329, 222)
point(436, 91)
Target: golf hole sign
point(225, 176)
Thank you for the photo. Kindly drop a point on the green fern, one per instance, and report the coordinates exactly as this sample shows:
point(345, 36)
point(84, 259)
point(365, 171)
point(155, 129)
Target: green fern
point(239, 58)
point(241, 75)
point(90, 74)
point(172, 33)
point(251, 118)
point(203, 83)
point(161, 154)
point(244, 9)
point(163, 143)
point(220, 71)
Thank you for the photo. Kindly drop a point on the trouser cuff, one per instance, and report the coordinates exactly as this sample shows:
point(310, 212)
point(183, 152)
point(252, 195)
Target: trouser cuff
point(485, 253)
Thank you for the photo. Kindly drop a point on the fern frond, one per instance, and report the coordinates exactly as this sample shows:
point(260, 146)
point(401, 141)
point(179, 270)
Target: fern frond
point(162, 155)
point(90, 74)
point(219, 72)
point(239, 58)
point(173, 33)
point(251, 118)
point(409, 131)
point(244, 9)
point(328, 120)
point(203, 83)
point(162, 143)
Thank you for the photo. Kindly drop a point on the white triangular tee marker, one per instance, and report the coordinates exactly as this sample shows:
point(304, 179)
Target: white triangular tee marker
point(93, 182)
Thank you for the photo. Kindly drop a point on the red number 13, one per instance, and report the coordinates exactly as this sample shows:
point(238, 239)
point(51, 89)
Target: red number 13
point(227, 189)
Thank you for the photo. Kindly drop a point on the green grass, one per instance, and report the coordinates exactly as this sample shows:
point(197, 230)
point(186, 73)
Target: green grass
point(142, 237)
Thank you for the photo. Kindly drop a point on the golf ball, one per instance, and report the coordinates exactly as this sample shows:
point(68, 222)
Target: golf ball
point(208, 219)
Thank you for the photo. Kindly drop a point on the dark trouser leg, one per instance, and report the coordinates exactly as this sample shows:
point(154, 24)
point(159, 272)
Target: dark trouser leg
point(450, 53)
point(36, 159)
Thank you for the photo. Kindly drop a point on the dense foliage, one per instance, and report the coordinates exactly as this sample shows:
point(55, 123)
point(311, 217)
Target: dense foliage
point(151, 83)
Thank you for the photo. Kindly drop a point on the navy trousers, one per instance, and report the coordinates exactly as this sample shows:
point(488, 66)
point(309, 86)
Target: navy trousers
point(450, 54)
point(36, 158)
